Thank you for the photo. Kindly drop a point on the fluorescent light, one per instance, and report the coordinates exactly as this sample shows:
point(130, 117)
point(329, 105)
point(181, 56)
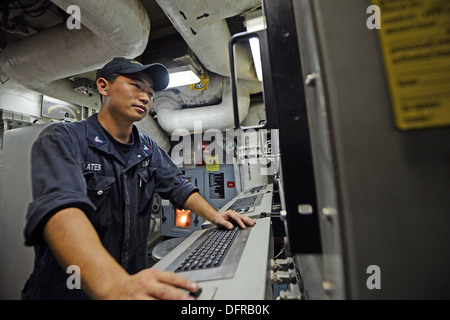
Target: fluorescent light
point(256, 53)
point(256, 24)
point(182, 76)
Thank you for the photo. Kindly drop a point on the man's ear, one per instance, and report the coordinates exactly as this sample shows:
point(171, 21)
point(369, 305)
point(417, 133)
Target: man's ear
point(102, 86)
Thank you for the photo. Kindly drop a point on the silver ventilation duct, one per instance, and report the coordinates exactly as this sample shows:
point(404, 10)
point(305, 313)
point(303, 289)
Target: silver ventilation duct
point(203, 26)
point(44, 61)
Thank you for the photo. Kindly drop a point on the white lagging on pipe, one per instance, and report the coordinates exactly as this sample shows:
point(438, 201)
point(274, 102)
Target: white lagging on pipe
point(109, 28)
point(171, 115)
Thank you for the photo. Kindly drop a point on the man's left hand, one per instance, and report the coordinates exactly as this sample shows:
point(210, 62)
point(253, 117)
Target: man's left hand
point(230, 218)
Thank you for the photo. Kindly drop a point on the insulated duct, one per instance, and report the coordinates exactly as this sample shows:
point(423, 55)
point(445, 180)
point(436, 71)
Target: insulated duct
point(171, 115)
point(202, 24)
point(110, 28)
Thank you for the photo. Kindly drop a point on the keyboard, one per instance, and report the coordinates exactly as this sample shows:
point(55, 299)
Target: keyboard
point(243, 273)
point(255, 189)
point(211, 252)
point(246, 202)
point(214, 255)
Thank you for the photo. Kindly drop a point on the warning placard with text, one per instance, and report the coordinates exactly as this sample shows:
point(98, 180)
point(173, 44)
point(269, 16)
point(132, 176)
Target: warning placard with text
point(415, 39)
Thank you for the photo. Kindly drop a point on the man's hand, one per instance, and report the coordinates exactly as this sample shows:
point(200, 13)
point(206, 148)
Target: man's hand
point(74, 241)
point(229, 218)
point(200, 206)
point(152, 284)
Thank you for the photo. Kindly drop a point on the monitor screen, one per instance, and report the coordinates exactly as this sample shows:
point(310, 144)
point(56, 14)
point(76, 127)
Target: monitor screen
point(183, 218)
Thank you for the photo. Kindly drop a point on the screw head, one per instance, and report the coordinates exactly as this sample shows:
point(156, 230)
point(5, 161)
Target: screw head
point(311, 79)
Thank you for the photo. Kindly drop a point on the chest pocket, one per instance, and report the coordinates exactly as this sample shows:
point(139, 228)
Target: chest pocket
point(99, 190)
point(146, 188)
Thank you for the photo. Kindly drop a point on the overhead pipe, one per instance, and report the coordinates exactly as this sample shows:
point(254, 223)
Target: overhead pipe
point(110, 28)
point(44, 61)
point(172, 116)
point(203, 26)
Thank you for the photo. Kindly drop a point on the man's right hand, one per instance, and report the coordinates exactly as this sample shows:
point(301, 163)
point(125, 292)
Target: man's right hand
point(74, 241)
point(152, 284)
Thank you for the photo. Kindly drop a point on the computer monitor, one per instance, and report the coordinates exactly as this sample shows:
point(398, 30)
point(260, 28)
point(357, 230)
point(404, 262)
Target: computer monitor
point(178, 223)
point(216, 187)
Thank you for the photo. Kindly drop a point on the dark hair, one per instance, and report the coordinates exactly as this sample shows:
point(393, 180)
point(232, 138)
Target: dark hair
point(111, 78)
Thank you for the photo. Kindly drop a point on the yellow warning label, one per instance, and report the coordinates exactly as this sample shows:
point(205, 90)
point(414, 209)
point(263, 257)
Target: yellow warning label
point(203, 84)
point(415, 39)
point(212, 163)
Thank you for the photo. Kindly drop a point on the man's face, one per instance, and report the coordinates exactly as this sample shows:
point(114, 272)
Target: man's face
point(130, 96)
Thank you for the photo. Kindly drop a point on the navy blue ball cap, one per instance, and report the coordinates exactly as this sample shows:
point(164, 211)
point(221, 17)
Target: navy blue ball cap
point(124, 66)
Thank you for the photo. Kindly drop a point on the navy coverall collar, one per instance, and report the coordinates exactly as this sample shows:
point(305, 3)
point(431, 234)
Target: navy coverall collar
point(97, 138)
